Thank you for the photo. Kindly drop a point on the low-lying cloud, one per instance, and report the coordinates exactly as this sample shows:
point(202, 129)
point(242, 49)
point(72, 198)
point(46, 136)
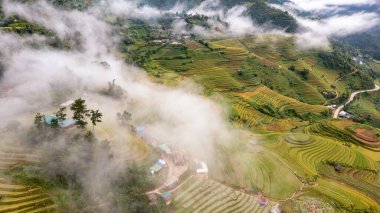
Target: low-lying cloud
point(324, 20)
point(318, 6)
point(223, 22)
point(317, 33)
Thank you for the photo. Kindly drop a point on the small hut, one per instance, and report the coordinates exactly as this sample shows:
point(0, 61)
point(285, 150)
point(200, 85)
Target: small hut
point(338, 168)
point(167, 197)
point(201, 167)
point(263, 201)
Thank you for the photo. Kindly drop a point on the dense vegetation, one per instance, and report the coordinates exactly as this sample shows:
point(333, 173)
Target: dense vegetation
point(262, 13)
point(367, 42)
point(72, 4)
point(130, 190)
point(337, 60)
point(366, 108)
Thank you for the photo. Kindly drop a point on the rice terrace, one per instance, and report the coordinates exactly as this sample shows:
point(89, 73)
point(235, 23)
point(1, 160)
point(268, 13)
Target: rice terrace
point(189, 106)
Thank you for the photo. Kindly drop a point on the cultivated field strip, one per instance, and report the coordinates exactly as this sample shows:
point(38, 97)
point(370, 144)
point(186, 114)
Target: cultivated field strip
point(250, 116)
point(203, 195)
point(21, 198)
point(346, 195)
point(363, 180)
point(264, 95)
point(16, 197)
point(309, 155)
point(9, 156)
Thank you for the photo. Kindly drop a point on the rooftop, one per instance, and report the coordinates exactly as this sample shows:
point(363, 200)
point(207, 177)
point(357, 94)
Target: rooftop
point(65, 123)
point(166, 195)
point(165, 148)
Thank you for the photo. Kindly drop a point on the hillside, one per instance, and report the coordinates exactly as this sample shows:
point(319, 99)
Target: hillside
point(271, 85)
point(125, 106)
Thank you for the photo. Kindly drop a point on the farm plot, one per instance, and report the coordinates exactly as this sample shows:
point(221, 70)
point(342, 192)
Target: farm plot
point(11, 155)
point(344, 196)
point(304, 153)
point(203, 195)
point(210, 69)
point(323, 149)
point(250, 116)
point(264, 96)
point(327, 129)
point(363, 180)
point(21, 198)
point(16, 197)
point(257, 170)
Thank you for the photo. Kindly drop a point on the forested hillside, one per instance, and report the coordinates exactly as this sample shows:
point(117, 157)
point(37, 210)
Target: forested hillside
point(368, 42)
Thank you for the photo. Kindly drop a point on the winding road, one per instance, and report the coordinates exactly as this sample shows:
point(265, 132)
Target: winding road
point(336, 82)
point(352, 96)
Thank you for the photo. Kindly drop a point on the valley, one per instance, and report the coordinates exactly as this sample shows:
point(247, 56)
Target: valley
point(218, 106)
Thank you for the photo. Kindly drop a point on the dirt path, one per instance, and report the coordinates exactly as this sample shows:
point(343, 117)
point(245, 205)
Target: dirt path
point(183, 183)
point(352, 96)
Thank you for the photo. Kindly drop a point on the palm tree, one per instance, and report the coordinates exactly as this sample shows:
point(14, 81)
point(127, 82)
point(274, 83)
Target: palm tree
point(95, 117)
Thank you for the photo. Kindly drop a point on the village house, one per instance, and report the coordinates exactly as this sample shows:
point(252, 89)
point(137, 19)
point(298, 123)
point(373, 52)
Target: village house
point(201, 167)
point(167, 197)
point(344, 114)
point(165, 149)
point(157, 167)
point(66, 123)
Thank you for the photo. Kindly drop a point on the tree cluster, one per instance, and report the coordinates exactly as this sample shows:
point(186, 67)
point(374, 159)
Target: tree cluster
point(71, 4)
point(337, 60)
point(80, 115)
point(262, 13)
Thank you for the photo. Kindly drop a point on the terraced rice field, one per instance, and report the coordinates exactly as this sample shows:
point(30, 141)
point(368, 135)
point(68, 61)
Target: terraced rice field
point(21, 198)
point(212, 70)
point(231, 43)
point(17, 197)
point(217, 79)
point(265, 173)
point(298, 139)
point(363, 180)
point(11, 155)
point(250, 116)
point(215, 70)
point(203, 195)
point(345, 196)
point(255, 169)
point(305, 204)
point(329, 130)
point(264, 95)
point(322, 149)
point(304, 155)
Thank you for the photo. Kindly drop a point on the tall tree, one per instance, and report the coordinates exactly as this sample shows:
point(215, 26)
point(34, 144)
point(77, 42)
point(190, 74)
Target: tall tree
point(80, 111)
point(95, 117)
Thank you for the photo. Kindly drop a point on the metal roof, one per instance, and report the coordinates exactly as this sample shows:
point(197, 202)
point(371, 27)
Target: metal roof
point(165, 148)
